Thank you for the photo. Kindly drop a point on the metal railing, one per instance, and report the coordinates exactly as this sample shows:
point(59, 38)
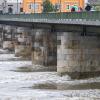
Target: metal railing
point(93, 15)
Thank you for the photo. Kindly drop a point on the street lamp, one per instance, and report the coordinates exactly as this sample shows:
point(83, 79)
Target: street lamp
point(17, 6)
point(60, 6)
point(4, 6)
point(34, 6)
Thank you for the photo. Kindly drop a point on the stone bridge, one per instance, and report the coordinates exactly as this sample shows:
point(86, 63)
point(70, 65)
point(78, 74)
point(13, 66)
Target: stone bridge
point(68, 42)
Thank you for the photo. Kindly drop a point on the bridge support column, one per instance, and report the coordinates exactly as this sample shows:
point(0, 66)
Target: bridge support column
point(8, 42)
point(23, 42)
point(78, 55)
point(44, 48)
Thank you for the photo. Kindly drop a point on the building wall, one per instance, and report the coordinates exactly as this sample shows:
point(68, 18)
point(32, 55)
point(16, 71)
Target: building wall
point(66, 5)
point(28, 6)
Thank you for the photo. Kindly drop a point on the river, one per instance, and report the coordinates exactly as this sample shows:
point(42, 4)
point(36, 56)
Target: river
point(17, 85)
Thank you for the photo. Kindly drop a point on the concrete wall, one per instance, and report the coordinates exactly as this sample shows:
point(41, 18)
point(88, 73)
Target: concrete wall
point(77, 53)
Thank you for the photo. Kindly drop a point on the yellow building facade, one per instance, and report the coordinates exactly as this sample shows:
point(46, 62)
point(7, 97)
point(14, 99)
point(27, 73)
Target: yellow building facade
point(35, 6)
point(68, 4)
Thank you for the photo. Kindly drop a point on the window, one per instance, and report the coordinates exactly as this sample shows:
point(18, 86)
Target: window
point(21, 9)
point(68, 7)
point(10, 10)
point(34, 6)
point(10, 5)
point(29, 6)
point(57, 6)
point(58, 42)
point(75, 6)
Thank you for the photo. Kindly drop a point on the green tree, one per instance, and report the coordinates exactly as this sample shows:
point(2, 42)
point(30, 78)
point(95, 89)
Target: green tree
point(47, 6)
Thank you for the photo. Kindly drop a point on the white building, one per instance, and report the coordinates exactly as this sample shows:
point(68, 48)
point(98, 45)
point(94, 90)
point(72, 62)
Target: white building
point(1, 5)
point(94, 2)
point(12, 6)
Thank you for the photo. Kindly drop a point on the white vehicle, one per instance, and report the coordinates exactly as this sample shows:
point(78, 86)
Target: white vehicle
point(93, 9)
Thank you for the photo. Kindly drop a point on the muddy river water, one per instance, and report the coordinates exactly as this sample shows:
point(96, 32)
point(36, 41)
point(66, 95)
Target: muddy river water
point(17, 85)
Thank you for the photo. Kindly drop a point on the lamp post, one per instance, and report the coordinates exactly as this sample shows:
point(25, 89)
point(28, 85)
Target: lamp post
point(60, 6)
point(17, 6)
point(34, 6)
point(4, 6)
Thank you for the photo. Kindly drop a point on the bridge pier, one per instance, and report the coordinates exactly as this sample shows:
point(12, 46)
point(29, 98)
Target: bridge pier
point(7, 38)
point(78, 55)
point(44, 48)
point(1, 32)
point(23, 42)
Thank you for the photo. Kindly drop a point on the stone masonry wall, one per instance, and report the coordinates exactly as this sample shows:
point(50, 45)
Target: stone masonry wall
point(77, 53)
point(23, 42)
point(44, 48)
point(7, 37)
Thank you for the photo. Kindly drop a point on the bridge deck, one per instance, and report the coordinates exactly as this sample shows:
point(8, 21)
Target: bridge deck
point(79, 18)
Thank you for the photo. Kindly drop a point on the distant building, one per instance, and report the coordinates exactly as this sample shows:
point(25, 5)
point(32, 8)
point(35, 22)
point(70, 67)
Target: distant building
point(35, 6)
point(95, 4)
point(12, 6)
point(1, 6)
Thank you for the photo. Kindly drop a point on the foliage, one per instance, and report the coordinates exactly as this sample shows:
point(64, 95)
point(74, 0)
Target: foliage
point(47, 6)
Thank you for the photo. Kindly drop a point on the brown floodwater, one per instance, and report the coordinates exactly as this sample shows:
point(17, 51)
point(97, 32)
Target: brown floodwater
point(54, 86)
